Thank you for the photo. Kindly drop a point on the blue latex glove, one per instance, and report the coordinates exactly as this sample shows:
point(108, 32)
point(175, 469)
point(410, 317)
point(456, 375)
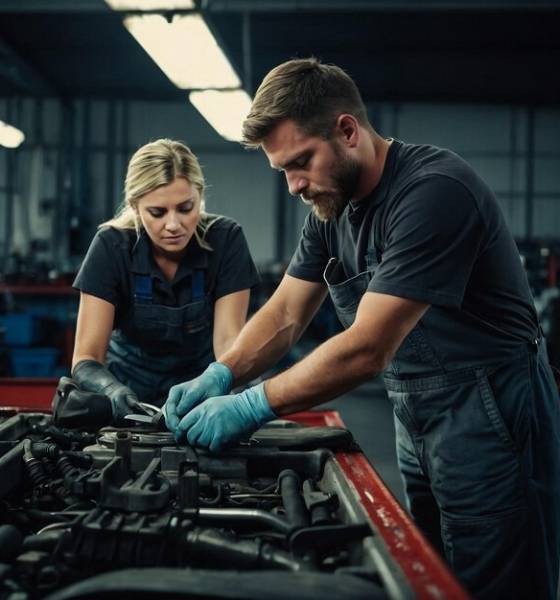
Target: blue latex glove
point(215, 381)
point(225, 419)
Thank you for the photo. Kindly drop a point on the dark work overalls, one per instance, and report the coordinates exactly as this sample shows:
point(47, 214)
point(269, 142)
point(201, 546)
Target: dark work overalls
point(159, 346)
point(478, 447)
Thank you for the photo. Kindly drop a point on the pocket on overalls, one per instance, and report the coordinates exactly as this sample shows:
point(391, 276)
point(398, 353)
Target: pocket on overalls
point(472, 462)
point(484, 525)
point(506, 395)
point(490, 555)
point(145, 327)
point(345, 294)
point(196, 328)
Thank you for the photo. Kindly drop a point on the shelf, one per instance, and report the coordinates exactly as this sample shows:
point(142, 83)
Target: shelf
point(39, 290)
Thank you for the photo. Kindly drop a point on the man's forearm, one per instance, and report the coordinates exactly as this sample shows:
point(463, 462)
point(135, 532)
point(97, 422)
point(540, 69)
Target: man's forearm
point(335, 367)
point(267, 336)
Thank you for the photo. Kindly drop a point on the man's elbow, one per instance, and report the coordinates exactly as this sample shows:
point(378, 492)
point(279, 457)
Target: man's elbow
point(375, 361)
point(373, 356)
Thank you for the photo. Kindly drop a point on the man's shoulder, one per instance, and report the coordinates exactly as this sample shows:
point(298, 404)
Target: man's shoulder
point(421, 162)
point(417, 161)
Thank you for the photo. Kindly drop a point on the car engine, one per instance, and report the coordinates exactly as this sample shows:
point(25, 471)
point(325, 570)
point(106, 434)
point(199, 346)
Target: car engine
point(99, 514)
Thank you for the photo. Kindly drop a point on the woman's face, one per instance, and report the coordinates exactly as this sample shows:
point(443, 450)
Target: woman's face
point(170, 214)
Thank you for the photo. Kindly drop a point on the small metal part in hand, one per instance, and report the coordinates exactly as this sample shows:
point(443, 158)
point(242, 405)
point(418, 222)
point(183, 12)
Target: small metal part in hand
point(154, 419)
point(139, 418)
point(150, 408)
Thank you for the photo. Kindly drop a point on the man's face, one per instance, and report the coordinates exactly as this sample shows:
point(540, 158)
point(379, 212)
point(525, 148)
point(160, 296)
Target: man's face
point(321, 171)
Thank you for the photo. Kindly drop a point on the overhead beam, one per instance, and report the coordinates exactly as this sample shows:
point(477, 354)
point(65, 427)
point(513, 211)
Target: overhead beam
point(97, 6)
point(22, 75)
point(53, 6)
point(373, 5)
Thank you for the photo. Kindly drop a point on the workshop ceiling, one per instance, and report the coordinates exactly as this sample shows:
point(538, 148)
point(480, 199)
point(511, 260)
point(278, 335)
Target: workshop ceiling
point(439, 50)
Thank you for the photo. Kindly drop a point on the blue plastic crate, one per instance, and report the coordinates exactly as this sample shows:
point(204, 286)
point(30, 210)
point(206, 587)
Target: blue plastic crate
point(33, 362)
point(20, 329)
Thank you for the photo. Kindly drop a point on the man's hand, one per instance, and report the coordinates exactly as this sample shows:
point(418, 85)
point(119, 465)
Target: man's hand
point(225, 419)
point(215, 381)
point(92, 376)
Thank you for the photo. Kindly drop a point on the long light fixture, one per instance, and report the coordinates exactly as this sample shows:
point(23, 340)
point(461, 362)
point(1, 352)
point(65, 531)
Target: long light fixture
point(185, 50)
point(225, 110)
point(151, 4)
point(10, 136)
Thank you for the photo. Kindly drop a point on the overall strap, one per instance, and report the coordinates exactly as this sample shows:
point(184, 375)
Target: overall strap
point(379, 233)
point(197, 291)
point(143, 289)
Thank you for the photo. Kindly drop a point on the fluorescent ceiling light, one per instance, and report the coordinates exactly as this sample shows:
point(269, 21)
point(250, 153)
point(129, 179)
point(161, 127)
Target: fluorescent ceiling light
point(224, 110)
point(185, 50)
point(10, 136)
point(151, 4)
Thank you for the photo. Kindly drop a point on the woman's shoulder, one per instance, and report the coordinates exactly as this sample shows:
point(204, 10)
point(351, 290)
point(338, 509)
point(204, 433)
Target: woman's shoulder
point(220, 228)
point(116, 237)
point(220, 223)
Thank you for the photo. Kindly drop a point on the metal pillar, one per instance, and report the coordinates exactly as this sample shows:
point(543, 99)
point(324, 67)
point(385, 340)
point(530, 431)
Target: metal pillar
point(530, 174)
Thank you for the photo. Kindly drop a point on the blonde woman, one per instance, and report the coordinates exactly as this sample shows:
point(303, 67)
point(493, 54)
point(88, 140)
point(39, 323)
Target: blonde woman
point(164, 286)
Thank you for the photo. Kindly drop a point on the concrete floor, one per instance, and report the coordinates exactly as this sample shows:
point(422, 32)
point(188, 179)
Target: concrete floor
point(368, 414)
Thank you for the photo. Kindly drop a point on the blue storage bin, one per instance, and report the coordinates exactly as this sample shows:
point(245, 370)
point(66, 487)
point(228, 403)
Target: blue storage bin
point(20, 329)
point(33, 362)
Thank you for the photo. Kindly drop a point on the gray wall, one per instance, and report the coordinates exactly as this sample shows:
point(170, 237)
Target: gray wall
point(44, 189)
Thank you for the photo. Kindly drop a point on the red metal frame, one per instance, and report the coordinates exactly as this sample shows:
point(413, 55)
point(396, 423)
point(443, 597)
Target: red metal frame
point(425, 571)
point(27, 394)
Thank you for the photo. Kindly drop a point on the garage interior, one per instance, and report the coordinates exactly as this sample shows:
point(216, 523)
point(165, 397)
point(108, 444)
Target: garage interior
point(480, 78)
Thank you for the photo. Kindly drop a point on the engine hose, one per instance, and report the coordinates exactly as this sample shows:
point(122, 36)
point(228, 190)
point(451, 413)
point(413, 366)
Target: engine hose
point(64, 466)
point(215, 501)
point(45, 450)
point(46, 540)
point(289, 484)
point(209, 546)
point(34, 467)
point(233, 516)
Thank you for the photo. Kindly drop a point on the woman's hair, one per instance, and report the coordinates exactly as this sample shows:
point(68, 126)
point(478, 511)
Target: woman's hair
point(151, 166)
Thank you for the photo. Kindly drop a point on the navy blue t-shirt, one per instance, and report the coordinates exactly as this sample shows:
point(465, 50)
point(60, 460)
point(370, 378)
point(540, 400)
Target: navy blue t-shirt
point(115, 255)
point(438, 235)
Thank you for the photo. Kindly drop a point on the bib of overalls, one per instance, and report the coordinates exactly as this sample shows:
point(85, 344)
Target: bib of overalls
point(159, 346)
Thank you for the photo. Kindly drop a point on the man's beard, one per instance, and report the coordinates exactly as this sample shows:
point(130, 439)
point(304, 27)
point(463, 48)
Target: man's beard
point(329, 203)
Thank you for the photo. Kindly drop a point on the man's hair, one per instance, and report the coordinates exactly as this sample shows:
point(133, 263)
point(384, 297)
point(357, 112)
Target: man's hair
point(306, 91)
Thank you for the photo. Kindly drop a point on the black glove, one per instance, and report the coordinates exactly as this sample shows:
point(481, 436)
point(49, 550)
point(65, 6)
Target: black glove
point(73, 408)
point(92, 376)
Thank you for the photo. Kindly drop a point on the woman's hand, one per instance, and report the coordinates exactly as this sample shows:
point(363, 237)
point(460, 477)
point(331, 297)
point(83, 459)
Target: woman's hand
point(92, 376)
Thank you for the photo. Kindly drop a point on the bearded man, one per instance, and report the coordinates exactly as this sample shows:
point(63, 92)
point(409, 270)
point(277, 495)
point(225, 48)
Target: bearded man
point(425, 277)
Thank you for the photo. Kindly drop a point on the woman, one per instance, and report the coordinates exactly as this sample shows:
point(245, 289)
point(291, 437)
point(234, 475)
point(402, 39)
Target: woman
point(164, 286)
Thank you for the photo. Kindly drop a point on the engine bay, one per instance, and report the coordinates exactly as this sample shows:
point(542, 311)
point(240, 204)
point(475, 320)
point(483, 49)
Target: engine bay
point(99, 514)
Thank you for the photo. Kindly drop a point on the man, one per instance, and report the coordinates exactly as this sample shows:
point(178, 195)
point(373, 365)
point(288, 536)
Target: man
point(427, 281)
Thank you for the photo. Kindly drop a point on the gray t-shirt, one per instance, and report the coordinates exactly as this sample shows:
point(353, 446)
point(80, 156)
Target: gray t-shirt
point(437, 233)
point(116, 255)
